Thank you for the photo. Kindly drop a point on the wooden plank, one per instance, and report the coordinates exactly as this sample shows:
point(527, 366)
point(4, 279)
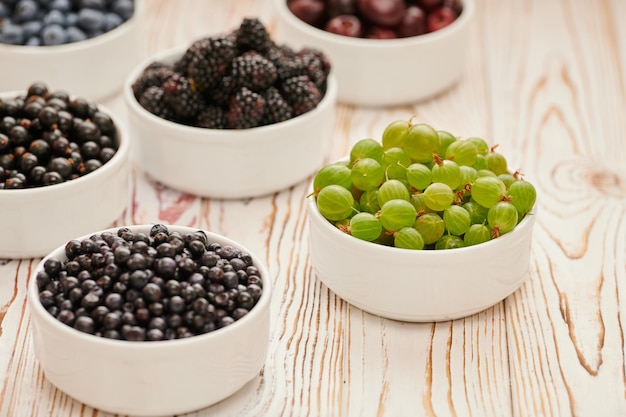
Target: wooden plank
point(561, 119)
point(544, 80)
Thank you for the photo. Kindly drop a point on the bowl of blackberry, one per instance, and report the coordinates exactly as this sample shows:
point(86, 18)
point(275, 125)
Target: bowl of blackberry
point(64, 169)
point(150, 320)
point(96, 41)
point(232, 115)
point(385, 52)
point(421, 225)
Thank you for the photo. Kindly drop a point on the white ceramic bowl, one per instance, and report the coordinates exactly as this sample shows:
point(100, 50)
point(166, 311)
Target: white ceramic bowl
point(94, 68)
point(156, 378)
point(418, 286)
point(38, 219)
point(373, 72)
point(222, 163)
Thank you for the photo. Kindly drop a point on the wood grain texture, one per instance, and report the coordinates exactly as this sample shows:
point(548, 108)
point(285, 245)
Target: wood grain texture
point(544, 79)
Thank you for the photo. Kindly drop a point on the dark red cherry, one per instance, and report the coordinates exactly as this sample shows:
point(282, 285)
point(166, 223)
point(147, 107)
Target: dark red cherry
point(309, 11)
point(413, 23)
point(440, 18)
point(345, 25)
point(382, 12)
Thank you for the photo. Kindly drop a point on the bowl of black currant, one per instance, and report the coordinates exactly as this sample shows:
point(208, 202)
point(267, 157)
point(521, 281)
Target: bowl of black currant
point(150, 320)
point(64, 169)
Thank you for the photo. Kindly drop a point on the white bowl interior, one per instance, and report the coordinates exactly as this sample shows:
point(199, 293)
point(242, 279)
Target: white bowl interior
point(419, 286)
point(223, 163)
point(152, 378)
point(42, 218)
point(386, 72)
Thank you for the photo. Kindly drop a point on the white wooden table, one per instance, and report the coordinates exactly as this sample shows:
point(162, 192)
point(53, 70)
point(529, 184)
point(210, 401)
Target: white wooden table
point(545, 79)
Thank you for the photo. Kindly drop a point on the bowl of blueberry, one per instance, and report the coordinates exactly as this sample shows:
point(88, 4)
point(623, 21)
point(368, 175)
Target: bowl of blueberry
point(232, 115)
point(385, 52)
point(83, 46)
point(64, 169)
point(150, 320)
point(422, 225)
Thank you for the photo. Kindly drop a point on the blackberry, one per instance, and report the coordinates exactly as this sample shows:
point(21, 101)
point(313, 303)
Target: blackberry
point(252, 35)
point(288, 64)
point(246, 110)
point(155, 75)
point(223, 92)
point(210, 61)
point(179, 95)
point(253, 71)
point(316, 64)
point(211, 117)
point(182, 64)
point(276, 109)
point(152, 100)
point(301, 93)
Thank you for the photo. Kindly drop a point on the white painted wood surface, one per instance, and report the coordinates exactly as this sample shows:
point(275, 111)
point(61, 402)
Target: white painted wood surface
point(546, 79)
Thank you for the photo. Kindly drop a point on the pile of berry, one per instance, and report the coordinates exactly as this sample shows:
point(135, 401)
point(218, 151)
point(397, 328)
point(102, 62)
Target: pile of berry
point(48, 137)
point(57, 22)
point(160, 285)
point(235, 81)
point(377, 19)
point(423, 189)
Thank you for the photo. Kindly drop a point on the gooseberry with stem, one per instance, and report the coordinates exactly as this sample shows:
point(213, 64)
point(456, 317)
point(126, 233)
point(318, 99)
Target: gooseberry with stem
point(335, 202)
point(502, 218)
point(488, 190)
point(396, 214)
point(438, 196)
point(408, 238)
point(365, 226)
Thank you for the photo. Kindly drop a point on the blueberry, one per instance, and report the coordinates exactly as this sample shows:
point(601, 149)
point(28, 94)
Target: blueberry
point(91, 20)
point(32, 29)
point(12, 34)
point(75, 34)
point(92, 4)
point(54, 17)
point(71, 19)
point(25, 10)
point(33, 41)
point(53, 35)
point(44, 3)
point(124, 8)
point(111, 21)
point(4, 11)
point(60, 5)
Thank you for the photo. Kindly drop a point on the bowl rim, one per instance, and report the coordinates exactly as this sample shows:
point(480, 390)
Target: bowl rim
point(79, 46)
point(464, 18)
point(314, 215)
point(218, 136)
point(120, 156)
point(259, 308)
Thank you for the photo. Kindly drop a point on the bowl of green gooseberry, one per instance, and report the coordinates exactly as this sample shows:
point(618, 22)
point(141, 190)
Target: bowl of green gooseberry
point(421, 226)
